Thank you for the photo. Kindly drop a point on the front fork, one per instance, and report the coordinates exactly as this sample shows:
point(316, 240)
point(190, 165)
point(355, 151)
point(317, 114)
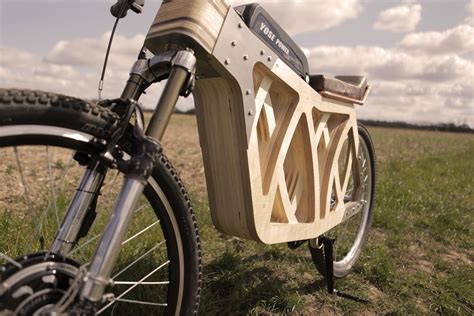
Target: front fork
point(179, 67)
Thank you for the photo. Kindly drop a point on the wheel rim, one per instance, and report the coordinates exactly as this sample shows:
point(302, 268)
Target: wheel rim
point(350, 235)
point(38, 200)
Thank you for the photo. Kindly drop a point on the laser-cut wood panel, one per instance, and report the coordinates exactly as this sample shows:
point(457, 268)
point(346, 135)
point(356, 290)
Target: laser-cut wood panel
point(278, 156)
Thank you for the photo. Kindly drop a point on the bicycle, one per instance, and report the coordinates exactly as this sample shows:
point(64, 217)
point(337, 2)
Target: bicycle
point(285, 162)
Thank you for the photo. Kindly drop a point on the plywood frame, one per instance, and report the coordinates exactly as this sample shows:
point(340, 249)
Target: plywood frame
point(271, 145)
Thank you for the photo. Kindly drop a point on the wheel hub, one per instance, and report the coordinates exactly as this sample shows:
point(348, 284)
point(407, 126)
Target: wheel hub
point(37, 286)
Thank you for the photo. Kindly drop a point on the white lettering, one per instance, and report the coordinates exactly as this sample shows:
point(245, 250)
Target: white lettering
point(267, 32)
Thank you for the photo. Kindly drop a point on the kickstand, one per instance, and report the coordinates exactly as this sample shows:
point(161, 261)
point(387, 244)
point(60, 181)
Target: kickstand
point(329, 261)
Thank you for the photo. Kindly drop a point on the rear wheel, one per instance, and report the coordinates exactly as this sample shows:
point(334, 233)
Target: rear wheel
point(159, 267)
point(351, 235)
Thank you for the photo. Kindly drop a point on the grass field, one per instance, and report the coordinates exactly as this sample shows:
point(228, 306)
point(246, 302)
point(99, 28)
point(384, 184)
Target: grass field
point(418, 259)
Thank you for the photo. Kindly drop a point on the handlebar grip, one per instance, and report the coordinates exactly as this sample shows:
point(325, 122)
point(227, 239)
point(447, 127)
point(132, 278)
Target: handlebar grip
point(119, 10)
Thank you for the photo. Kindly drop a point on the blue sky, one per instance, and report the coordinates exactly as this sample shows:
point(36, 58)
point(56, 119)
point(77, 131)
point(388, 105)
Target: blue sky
point(418, 55)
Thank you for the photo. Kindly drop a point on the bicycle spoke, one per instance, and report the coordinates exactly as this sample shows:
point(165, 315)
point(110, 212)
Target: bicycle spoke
point(132, 287)
point(65, 173)
point(137, 260)
point(140, 232)
point(70, 253)
point(142, 283)
point(139, 302)
point(29, 202)
point(12, 261)
point(98, 235)
point(53, 190)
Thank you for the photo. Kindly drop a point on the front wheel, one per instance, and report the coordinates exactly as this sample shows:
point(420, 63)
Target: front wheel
point(351, 235)
point(159, 267)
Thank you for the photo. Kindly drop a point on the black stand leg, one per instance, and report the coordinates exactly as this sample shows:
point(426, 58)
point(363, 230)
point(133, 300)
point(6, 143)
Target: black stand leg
point(328, 258)
point(329, 261)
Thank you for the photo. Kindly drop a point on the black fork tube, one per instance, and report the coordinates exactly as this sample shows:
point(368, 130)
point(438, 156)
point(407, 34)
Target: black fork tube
point(166, 105)
point(135, 181)
point(134, 87)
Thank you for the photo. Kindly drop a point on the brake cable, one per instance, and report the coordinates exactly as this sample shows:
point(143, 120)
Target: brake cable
point(118, 10)
point(104, 67)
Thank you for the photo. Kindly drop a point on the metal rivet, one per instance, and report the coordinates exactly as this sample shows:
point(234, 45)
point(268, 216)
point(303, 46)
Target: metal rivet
point(269, 58)
point(240, 25)
point(246, 57)
point(234, 43)
point(227, 61)
point(262, 52)
point(250, 113)
point(248, 92)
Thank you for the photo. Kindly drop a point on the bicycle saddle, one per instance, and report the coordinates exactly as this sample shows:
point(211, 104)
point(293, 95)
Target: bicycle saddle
point(352, 87)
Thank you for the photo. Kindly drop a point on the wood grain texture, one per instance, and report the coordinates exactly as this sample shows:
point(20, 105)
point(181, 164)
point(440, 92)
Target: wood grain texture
point(195, 24)
point(278, 156)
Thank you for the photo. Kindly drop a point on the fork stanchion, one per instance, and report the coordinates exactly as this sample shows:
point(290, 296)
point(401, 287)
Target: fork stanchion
point(166, 105)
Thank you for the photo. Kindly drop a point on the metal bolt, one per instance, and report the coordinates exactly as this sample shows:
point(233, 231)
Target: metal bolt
point(269, 58)
point(246, 57)
point(234, 43)
point(250, 113)
point(227, 61)
point(262, 52)
point(240, 25)
point(247, 92)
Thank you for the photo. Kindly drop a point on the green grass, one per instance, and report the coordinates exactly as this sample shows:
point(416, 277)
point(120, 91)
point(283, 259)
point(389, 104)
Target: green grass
point(418, 259)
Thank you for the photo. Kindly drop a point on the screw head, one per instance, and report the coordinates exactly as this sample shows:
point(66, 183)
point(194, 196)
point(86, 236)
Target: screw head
point(248, 92)
point(269, 58)
point(250, 113)
point(262, 52)
point(227, 61)
point(246, 57)
point(241, 25)
point(234, 43)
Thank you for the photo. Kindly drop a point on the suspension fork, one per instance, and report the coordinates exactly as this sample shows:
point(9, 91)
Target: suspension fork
point(180, 66)
point(87, 191)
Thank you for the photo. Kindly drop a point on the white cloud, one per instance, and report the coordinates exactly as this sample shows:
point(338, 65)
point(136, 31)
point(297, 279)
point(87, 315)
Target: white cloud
point(73, 68)
point(457, 40)
point(399, 19)
point(470, 13)
point(299, 16)
point(90, 52)
point(406, 85)
point(388, 64)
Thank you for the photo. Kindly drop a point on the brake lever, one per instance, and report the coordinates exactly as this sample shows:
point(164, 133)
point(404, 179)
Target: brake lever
point(137, 6)
point(120, 9)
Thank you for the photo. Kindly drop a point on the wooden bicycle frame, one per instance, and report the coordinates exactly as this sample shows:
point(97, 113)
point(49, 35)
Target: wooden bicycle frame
point(270, 143)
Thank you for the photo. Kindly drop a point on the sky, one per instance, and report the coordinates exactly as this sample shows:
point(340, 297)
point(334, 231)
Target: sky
point(418, 55)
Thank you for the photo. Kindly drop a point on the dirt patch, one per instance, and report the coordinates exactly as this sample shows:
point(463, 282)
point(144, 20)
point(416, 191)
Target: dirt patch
point(455, 257)
point(181, 145)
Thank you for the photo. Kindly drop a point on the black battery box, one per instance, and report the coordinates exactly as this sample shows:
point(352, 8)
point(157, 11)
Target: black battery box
point(266, 28)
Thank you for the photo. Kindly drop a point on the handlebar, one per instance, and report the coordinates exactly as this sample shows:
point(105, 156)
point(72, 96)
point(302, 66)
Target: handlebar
point(120, 9)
